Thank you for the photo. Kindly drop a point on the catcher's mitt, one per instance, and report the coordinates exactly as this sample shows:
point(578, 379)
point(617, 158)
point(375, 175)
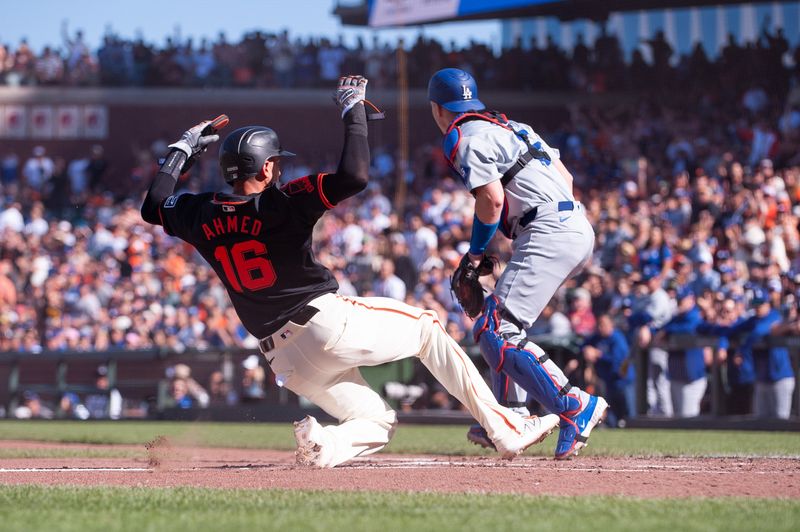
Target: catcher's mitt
point(465, 283)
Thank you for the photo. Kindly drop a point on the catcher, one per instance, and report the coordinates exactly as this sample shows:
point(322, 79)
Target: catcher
point(258, 241)
point(522, 188)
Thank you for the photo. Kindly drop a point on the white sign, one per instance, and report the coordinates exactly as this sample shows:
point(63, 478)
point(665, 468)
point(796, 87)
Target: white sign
point(402, 12)
point(95, 122)
point(68, 122)
point(42, 122)
point(15, 121)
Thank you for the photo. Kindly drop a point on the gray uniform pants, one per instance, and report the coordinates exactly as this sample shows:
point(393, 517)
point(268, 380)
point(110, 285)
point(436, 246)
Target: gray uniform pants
point(774, 399)
point(687, 396)
point(551, 249)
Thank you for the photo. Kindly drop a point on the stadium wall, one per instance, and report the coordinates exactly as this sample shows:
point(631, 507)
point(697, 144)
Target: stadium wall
point(305, 119)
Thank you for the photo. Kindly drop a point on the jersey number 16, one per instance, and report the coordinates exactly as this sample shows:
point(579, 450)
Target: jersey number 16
point(255, 272)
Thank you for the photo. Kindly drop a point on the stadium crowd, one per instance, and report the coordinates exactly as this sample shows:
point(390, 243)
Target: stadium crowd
point(695, 202)
point(266, 59)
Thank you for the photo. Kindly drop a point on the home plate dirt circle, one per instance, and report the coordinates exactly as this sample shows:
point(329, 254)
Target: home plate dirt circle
point(266, 469)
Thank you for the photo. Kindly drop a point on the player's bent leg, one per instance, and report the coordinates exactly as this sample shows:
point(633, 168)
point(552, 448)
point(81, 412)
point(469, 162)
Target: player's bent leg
point(366, 425)
point(510, 433)
point(381, 330)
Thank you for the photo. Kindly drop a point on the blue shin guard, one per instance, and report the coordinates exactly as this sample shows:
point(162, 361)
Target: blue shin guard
point(531, 369)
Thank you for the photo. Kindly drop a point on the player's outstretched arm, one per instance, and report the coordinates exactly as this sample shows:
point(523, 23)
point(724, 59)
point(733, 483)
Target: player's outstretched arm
point(352, 175)
point(192, 143)
point(163, 186)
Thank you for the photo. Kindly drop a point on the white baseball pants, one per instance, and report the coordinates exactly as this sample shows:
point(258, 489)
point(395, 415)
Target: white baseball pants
point(320, 361)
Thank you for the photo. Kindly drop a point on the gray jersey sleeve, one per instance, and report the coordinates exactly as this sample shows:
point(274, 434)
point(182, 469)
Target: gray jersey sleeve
point(479, 161)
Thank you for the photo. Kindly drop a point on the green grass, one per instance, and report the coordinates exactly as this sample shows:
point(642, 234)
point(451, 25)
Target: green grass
point(193, 509)
point(409, 439)
point(70, 453)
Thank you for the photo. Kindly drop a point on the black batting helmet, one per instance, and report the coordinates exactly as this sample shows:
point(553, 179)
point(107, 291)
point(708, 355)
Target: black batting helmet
point(244, 151)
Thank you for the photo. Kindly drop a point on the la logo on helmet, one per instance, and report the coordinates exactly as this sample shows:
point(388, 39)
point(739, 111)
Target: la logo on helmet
point(466, 93)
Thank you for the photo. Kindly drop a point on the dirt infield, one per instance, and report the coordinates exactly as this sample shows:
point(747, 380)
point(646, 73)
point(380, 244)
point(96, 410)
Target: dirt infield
point(163, 466)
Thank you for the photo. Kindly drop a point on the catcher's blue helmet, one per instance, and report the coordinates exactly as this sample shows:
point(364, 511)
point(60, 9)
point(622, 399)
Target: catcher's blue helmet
point(455, 90)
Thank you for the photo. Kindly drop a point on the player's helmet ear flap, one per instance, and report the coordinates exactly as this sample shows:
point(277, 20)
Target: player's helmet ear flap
point(244, 151)
point(455, 90)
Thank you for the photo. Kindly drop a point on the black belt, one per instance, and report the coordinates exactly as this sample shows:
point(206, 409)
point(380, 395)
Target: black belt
point(529, 216)
point(301, 317)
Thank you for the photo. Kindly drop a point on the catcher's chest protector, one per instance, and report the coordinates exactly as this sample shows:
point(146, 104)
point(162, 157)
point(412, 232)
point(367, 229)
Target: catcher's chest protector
point(452, 137)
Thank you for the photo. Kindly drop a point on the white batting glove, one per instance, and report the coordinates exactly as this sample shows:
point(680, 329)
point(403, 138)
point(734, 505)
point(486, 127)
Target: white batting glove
point(350, 91)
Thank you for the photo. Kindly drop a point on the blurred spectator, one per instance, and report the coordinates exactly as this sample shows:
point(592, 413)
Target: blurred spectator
point(106, 402)
point(70, 407)
point(388, 284)
point(179, 396)
point(220, 391)
point(32, 407)
point(651, 310)
point(608, 353)
point(38, 169)
point(686, 367)
point(552, 323)
point(581, 317)
point(253, 377)
point(196, 393)
point(769, 367)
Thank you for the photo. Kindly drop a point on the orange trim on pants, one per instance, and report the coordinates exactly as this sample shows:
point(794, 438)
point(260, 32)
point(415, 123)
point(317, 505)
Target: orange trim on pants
point(453, 342)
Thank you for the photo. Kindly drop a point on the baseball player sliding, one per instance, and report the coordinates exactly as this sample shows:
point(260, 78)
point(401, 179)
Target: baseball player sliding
point(522, 188)
point(258, 240)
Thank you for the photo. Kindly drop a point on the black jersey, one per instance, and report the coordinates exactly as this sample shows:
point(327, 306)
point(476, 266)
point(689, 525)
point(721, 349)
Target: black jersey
point(259, 245)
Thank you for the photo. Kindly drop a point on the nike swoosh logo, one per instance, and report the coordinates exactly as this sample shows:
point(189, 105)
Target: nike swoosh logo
point(270, 361)
point(563, 218)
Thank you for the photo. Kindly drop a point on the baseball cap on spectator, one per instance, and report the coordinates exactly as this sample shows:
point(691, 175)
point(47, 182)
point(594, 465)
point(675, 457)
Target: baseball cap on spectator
point(250, 362)
point(581, 293)
point(705, 257)
point(101, 371)
point(726, 268)
point(759, 297)
point(71, 397)
point(182, 371)
point(595, 270)
point(766, 163)
point(122, 323)
point(30, 395)
point(39, 151)
point(754, 236)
